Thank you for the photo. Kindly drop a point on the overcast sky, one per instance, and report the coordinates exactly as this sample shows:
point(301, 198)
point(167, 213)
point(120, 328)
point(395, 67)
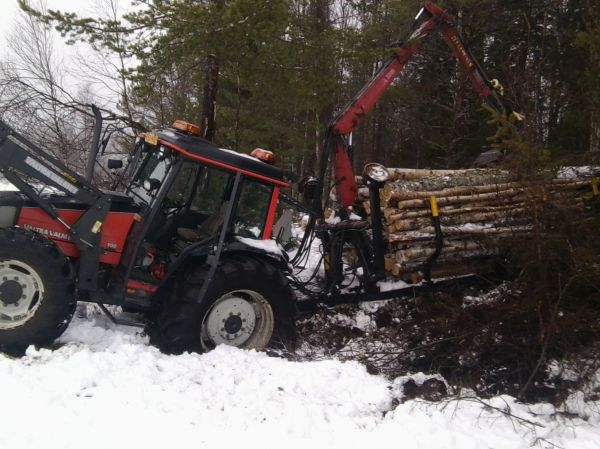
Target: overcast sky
point(9, 10)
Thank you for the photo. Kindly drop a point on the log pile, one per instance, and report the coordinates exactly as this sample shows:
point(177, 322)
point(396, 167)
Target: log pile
point(480, 211)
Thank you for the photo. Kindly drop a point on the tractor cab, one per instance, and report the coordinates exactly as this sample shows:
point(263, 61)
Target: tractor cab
point(193, 197)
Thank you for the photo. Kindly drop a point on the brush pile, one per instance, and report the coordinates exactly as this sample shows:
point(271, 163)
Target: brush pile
point(481, 212)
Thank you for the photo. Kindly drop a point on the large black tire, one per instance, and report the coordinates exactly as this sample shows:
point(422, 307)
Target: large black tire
point(249, 296)
point(37, 295)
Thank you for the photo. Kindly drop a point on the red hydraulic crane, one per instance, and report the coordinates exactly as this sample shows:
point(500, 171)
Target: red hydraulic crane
point(430, 18)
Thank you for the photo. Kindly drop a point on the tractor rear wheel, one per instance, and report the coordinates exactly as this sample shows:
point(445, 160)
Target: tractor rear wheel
point(249, 304)
point(37, 298)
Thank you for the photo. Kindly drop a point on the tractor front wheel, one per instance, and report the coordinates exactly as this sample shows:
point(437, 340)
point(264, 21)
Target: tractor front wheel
point(249, 304)
point(37, 297)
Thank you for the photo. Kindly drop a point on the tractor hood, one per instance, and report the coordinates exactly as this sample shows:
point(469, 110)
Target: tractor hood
point(15, 199)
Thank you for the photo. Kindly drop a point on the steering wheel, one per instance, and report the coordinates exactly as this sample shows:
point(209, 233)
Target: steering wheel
point(171, 207)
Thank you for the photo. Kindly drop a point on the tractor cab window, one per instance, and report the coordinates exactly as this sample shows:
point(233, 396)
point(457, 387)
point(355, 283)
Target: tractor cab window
point(151, 174)
point(205, 204)
point(252, 209)
point(182, 188)
point(214, 187)
point(203, 194)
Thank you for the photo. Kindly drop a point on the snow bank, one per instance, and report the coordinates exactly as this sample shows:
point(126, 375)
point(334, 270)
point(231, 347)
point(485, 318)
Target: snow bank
point(577, 172)
point(471, 423)
point(105, 382)
point(105, 387)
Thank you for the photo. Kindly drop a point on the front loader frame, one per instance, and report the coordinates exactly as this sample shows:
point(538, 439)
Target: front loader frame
point(24, 164)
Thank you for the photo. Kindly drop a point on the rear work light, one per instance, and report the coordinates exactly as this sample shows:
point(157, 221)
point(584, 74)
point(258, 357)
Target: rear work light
point(187, 127)
point(264, 155)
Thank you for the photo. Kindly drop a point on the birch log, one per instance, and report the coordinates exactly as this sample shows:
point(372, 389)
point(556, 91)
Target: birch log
point(481, 211)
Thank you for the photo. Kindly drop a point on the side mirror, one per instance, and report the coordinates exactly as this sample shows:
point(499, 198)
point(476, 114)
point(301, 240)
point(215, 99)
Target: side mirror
point(113, 164)
point(151, 184)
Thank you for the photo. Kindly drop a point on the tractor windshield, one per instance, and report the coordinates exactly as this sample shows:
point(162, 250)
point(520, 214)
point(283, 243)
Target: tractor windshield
point(151, 175)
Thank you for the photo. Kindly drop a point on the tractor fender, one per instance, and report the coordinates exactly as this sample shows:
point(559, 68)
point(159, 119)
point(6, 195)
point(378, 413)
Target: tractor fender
point(269, 252)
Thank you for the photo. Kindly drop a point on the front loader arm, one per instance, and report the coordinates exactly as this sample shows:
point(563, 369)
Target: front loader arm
point(23, 163)
point(20, 157)
point(436, 19)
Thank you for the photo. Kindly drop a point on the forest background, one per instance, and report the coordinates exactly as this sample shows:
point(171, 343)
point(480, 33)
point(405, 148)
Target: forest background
point(273, 73)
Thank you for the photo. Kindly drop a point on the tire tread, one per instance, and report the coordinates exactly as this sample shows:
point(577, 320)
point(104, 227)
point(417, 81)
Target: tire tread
point(177, 329)
point(56, 271)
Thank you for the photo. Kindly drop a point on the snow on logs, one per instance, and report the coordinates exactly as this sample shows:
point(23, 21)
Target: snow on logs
point(480, 210)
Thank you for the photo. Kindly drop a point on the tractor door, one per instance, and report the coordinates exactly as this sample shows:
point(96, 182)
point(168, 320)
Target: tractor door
point(186, 205)
point(204, 213)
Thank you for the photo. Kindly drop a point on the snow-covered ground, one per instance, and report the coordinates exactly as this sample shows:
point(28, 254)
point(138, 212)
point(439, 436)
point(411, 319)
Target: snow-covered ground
point(106, 387)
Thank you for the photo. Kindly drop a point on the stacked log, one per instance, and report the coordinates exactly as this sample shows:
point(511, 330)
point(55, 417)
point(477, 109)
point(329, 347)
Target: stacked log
point(481, 211)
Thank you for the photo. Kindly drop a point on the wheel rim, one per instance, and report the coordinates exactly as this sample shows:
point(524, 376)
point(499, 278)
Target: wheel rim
point(21, 293)
point(242, 318)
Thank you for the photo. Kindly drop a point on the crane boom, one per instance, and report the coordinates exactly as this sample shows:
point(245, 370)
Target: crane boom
point(436, 19)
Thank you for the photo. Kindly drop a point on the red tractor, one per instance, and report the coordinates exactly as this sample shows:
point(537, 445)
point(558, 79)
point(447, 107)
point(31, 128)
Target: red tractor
point(188, 243)
point(192, 228)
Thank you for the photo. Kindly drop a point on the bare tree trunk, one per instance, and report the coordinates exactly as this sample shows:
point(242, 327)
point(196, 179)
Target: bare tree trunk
point(593, 28)
point(595, 112)
point(209, 101)
point(595, 134)
point(320, 13)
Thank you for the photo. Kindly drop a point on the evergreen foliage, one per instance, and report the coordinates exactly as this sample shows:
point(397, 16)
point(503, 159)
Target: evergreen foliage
point(286, 66)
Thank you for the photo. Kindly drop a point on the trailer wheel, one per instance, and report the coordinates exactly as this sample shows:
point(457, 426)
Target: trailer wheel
point(249, 304)
point(37, 298)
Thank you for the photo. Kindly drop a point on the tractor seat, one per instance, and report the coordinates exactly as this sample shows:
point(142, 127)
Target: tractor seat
point(189, 235)
point(209, 227)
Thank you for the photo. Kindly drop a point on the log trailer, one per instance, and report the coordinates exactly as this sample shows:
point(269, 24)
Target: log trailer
point(350, 234)
point(188, 243)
